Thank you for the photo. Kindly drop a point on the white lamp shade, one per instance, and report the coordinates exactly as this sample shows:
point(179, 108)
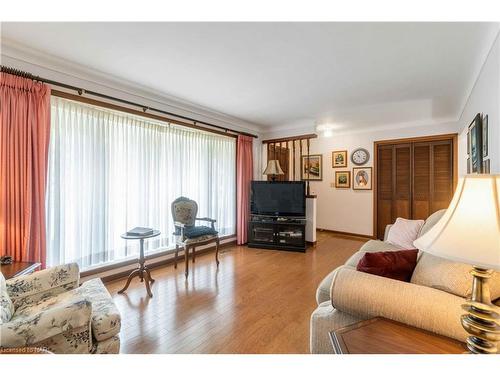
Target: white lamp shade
point(469, 231)
point(273, 168)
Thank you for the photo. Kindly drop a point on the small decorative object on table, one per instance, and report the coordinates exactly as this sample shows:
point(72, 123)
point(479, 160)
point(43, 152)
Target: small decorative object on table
point(142, 271)
point(6, 259)
point(343, 179)
point(339, 159)
point(469, 233)
point(362, 178)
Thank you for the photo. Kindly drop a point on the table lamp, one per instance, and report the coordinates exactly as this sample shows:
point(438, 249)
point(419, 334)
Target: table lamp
point(273, 169)
point(469, 232)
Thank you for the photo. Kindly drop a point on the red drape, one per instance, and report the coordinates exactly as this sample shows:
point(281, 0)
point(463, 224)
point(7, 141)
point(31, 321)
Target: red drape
point(244, 174)
point(24, 141)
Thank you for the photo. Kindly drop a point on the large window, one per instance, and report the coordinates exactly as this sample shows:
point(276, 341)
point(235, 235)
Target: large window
point(111, 171)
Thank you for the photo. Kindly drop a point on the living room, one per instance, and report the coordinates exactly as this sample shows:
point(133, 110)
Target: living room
point(255, 188)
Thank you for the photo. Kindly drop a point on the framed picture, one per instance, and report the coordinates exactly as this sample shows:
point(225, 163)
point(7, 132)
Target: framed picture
point(362, 178)
point(486, 166)
point(343, 179)
point(475, 140)
point(485, 136)
point(339, 159)
point(312, 167)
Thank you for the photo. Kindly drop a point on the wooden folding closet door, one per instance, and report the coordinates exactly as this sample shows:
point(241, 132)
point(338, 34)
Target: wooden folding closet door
point(415, 178)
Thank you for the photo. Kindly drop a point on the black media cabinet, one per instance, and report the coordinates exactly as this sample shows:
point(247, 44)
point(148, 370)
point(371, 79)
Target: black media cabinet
point(277, 232)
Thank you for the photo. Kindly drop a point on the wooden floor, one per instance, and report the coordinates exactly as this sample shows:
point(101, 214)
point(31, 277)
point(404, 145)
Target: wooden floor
point(258, 301)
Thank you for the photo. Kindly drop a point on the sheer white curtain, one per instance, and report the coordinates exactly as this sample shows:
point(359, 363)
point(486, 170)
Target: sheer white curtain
point(110, 171)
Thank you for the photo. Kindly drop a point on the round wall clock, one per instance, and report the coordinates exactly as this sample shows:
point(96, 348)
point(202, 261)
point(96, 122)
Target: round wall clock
point(360, 156)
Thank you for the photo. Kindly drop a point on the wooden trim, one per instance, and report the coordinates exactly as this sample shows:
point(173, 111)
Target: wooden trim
point(99, 103)
point(124, 274)
point(427, 138)
point(346, 234)
point(296, 138)
point(431, 138)
point(129, 262)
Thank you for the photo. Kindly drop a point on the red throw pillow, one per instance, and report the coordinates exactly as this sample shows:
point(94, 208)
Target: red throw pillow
point(397, 265)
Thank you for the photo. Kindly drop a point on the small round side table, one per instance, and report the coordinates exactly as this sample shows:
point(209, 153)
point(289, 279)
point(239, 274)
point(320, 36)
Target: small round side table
point(142, 271)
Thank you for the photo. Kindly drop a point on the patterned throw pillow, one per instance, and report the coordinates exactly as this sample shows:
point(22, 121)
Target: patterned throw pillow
point(6, 306)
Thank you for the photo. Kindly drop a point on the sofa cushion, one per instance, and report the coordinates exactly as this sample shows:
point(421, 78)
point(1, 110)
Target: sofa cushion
point(398, 265)
point(106, 321)
point(431, 221)
point(448, 276)
point(404, 231)
point(6, 305)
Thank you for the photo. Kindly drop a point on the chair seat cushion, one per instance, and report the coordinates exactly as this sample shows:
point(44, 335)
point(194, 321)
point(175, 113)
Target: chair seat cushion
point(198, 231)
point(189, 241)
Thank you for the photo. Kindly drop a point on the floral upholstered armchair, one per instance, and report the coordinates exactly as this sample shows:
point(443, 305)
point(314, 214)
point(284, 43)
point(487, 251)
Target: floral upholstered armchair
point(187, 234)
point(48, 309)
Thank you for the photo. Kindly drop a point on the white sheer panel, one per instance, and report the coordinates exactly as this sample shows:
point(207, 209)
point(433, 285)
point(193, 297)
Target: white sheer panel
point(110, 171)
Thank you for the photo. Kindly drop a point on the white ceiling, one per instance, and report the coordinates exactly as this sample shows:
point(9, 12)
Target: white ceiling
point(280, 75)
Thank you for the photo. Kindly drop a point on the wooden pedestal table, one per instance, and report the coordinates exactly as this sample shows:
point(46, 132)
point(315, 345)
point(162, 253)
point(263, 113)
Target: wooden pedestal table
point(142, 271)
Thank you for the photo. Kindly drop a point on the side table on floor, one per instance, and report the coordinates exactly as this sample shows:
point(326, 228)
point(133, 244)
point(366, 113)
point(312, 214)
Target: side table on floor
point(385, 336)
point(142, 271)
point(16, 269)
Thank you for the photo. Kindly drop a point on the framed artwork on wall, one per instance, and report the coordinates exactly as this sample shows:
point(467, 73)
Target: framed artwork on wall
point(339, 159)
point(312, 168)
point(485, 136)
point(475, 144)
point(362, 178)
point(343, 180)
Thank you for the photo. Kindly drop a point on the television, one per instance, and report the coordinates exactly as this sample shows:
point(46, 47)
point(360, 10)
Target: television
point(276, 198)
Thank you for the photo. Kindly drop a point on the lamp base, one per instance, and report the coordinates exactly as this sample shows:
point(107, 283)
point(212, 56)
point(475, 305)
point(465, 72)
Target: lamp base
point(482, 320)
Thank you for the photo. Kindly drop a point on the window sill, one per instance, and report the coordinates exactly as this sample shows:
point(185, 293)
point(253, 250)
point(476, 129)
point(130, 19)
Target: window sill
point(150, 257)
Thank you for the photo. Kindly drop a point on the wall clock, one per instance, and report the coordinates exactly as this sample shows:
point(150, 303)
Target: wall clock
point(360, 156)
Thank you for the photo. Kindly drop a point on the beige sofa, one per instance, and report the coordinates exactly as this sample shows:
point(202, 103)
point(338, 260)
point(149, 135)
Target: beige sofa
point(431, 301)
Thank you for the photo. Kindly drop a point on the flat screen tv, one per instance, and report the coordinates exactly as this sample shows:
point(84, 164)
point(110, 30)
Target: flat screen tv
point(278, 198)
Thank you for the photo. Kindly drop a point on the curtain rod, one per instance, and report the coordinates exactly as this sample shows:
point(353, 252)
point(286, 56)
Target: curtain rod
point(81, 91)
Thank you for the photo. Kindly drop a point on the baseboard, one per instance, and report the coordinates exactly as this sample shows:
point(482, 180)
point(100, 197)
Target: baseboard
point(348, 234)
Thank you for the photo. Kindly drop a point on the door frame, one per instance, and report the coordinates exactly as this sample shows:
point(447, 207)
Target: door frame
point(431, 138)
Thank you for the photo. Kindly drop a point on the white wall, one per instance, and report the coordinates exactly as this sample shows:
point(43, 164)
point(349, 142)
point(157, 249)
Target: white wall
point(484, 98)
point(348, 210)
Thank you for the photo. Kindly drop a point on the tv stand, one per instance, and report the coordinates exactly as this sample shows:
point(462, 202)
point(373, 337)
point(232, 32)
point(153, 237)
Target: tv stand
point(277, 232)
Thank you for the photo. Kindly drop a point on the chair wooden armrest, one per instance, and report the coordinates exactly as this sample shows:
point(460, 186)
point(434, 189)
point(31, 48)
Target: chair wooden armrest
point(211, 221)
point(206, 219)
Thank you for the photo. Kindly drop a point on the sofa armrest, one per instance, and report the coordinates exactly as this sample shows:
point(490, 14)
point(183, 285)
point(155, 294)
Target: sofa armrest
point(36, 328)
point(48, 282)
point(365, 295)
point(386, 232)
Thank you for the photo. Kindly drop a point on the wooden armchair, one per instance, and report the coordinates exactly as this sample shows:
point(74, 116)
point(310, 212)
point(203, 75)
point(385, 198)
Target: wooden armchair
point(187, 234)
